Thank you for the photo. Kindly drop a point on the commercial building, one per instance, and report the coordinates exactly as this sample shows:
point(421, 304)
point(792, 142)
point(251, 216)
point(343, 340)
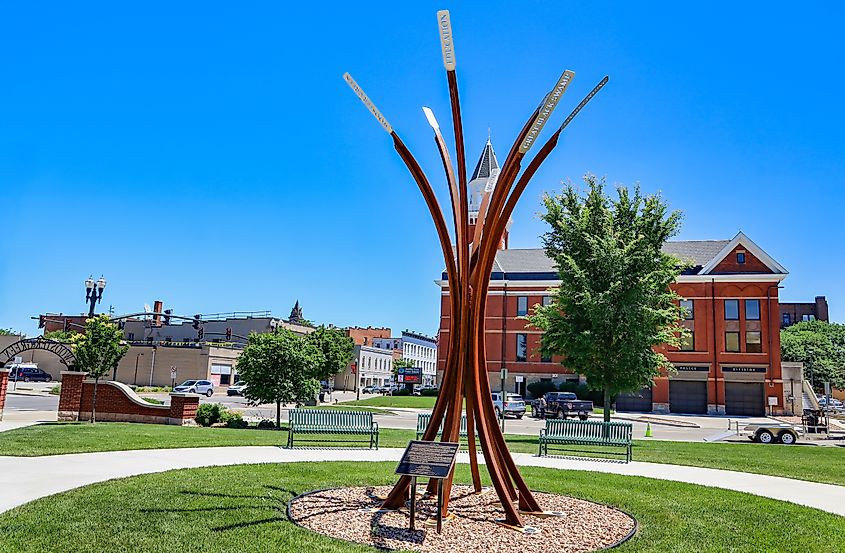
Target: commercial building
point(795, 312)
point(416, 347)
point(370, 366)
point(730, 365)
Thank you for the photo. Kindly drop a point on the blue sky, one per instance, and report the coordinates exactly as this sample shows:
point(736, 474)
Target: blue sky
point(210, 155)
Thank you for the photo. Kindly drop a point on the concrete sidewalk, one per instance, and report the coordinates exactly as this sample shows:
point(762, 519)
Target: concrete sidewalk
point(24, 479)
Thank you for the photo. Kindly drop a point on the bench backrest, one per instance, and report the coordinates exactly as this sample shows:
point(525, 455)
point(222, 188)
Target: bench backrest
point(589, 429)
point(330, 418)
point(423, 420)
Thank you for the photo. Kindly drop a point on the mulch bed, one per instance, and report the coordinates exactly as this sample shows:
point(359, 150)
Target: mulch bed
point(584, 526)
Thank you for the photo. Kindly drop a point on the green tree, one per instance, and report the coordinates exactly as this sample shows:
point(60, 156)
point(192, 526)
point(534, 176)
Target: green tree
point(98, 351)
point(337, 350)
point(9, 332)
point(61, 335)
point(820, 346)
point(279, 367)
point(614, 306)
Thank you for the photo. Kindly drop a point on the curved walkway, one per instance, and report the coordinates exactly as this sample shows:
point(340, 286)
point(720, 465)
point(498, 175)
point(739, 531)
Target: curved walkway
point(24, 479)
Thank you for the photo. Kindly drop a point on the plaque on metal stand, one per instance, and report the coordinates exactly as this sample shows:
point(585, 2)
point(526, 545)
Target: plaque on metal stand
point(434, 460)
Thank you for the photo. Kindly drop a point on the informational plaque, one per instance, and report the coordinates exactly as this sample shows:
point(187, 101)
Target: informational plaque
point(428, 459)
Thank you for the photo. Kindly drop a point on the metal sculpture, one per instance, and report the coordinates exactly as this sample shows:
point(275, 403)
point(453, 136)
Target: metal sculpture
point(468, 269)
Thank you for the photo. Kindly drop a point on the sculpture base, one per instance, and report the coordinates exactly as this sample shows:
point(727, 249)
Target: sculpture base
point(571, 524)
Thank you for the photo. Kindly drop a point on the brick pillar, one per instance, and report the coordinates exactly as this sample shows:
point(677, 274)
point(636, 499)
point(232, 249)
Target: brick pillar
point(183, 408)
point(4, 383)
point(70, 400)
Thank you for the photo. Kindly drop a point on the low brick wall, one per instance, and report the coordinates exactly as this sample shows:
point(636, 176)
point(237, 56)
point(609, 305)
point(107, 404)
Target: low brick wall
point(117, 402)
point(4, 384)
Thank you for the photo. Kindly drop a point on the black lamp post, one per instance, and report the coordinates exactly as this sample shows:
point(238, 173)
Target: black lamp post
point(94, 292)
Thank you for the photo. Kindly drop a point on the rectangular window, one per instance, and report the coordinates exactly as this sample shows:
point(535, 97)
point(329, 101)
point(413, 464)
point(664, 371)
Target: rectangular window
point(752, 310)
point(787, 320)
point(732, 341)
point(688, 342)
point(547, 300)
point(731, 310)
point(753, 342)
point(689, 309)
point(808, 317)
point(522, 347)
point(740, 258)
point(521, 306)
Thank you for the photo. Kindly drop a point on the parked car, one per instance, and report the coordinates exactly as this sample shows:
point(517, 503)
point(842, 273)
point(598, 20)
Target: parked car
point(196, 387)
point(236, 389)
point(513, 405)
point(562, 405)
point(369, 390)
point(29, 373)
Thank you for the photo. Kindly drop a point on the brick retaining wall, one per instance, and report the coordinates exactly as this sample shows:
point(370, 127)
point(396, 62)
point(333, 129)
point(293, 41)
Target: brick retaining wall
point(4, 384)
point(119, 403)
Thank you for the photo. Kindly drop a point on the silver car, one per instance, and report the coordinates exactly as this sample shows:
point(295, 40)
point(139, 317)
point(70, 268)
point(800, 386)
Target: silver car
point(513, 405)
point(204, 387)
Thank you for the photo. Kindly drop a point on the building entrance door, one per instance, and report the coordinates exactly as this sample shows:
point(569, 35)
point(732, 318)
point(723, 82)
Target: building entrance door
point(745, 399)
point(635, 401)
point(688, 396)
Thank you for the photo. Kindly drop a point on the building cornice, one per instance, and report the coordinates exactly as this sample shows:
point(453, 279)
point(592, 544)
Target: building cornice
point(742, 277)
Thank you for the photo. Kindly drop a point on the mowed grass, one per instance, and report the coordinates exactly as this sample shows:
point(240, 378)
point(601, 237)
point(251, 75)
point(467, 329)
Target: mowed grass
point(410, 402)
point(243, 508)
point(817, 464)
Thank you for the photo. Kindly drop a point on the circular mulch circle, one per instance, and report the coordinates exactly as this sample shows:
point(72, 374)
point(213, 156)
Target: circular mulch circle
point(342, 513)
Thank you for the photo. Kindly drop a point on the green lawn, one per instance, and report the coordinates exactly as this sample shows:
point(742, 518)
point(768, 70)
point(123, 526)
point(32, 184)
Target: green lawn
point(412, 402)
point(242, 508)
point(818, 464)
point(346, 407)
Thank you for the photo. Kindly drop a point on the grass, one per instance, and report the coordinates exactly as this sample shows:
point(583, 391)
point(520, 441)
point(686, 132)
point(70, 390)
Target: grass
point(346, 407)
point(153, 400)
point(817, 464)
point(242, 508)
point(411, 402)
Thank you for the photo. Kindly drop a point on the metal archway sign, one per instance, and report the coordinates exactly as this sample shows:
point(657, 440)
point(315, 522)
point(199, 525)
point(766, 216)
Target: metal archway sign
point(61, 350)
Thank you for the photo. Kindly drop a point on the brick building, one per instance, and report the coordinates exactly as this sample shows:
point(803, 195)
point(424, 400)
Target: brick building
point(731, 364)
point(795, 312)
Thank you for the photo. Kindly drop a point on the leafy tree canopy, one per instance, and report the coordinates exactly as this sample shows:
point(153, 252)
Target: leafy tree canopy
point(101, 347)
point(820, 346)
point(9, 332)
point(337, 350)
point(614, 306)
point(61, 335)
point(401, 363)
point(280, 367)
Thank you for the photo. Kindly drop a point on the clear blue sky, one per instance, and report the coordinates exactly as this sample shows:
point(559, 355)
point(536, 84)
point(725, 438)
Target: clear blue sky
point(210, 154)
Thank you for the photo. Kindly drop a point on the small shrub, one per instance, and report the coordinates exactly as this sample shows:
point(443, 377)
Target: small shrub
point(402, 392)
point(56, 390)
point(153, 400)
point(429, 392)
point(152, 389)
point(209, 413)
point(233, 419)
point(266, 424)
point(541, 387)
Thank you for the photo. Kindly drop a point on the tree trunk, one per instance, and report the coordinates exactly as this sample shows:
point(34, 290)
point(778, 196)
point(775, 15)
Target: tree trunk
point(279, 415)
point(94, 402)
point(606, 404)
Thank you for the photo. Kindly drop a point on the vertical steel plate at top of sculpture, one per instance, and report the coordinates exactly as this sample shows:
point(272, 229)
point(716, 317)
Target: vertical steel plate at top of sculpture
point(468, 268)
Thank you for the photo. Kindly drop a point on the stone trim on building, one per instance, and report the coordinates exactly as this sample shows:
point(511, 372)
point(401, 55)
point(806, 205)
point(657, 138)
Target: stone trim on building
point(4, 384)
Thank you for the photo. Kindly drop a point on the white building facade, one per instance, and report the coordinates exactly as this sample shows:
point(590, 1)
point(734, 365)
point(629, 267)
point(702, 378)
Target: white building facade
point(416, 347)
point(371, 366)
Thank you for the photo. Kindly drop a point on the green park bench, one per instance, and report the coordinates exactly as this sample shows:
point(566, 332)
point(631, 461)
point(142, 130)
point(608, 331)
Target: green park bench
point(424, 418)
point(586, 433)
point(331, 422)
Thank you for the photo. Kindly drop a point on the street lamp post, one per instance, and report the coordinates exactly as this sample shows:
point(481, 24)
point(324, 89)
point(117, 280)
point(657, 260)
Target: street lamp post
point(93, 292)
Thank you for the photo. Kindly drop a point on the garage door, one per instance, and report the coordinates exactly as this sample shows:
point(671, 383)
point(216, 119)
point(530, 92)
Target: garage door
point(634, 401)
point(744, 398)
point(687, 396)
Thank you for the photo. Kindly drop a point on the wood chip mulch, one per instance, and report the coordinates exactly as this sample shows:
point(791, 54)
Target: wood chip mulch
point(584, 526)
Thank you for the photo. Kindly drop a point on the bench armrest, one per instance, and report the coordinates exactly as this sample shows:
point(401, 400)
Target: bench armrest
point(542, 432)
point(375, 426)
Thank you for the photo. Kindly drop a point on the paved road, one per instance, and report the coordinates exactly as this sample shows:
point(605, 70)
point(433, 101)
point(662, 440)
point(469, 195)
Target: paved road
point(43, 407)
point(24, 482)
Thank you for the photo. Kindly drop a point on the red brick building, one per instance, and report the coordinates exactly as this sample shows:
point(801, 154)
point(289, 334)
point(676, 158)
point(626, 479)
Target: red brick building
point(731, 364)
